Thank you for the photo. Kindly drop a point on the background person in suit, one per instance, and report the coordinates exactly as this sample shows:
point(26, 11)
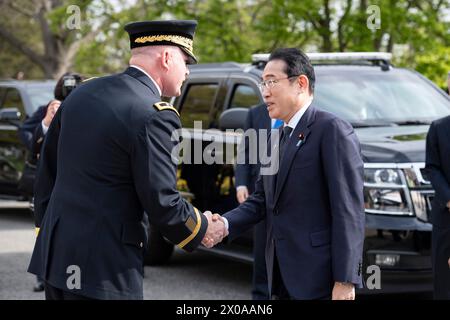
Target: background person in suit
point(314, 204)
point(35, 127)
point(438, 166)
point(32, 133)
point(246, 175)
point(106, 158)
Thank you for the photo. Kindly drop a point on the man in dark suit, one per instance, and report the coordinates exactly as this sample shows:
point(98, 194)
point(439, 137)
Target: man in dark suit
point(438, 166)
point(246, 174)
point(313, 204)
point(106, 159)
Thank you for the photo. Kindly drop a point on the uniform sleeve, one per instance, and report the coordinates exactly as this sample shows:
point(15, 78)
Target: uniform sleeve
point(343, 170)
point(155, 175)
point(434, 166)
point(46, 171)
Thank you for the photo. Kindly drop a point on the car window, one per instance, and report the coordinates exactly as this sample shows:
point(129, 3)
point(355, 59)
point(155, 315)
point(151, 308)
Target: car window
point(40, 95)
point(13, 99)
point(197, 104)
point(2, 95)
point(374, 97)
point(244, 96)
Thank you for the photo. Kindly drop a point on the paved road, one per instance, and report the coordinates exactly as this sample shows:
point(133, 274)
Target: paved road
point(187, 276)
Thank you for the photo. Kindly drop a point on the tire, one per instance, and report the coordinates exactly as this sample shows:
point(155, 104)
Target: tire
point(159, 250)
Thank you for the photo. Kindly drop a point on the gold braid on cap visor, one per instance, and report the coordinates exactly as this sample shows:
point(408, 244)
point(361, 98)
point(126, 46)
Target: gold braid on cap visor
point(182, 41)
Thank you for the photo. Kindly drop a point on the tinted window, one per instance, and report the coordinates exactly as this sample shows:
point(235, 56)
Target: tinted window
point(2, 95)
point(198, 104)
point(13, 99)
point(40, 95)
point(361, 97)
point(244, 97)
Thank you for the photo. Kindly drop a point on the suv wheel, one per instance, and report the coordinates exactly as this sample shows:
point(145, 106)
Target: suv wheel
point(159, 250)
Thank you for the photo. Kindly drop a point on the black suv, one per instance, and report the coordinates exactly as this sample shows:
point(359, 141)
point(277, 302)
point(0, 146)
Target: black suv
point(18, 100)
point(390, 109)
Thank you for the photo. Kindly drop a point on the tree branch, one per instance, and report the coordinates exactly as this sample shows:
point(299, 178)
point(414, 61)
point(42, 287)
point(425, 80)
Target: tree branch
point(342, 42)
point(47, 36)
point(22, 11)
point(21, 46)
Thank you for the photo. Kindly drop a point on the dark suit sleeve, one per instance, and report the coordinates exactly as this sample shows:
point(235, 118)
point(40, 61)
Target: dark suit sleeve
point(27, 130)
point(343, 170)
point(155, 175)
point(46, 172)
point(434, 166)
point(248, 213)
point(243, 170)
point(37, 139)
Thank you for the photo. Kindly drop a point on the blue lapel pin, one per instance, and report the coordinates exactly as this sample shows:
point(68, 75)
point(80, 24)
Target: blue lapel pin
point(301, 139)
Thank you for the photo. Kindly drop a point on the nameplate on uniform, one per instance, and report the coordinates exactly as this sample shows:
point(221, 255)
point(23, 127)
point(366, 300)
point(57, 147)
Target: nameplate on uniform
point(160, 106)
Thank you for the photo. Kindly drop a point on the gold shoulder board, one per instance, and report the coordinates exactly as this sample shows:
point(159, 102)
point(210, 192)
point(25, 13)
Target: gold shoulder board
point(165, 106)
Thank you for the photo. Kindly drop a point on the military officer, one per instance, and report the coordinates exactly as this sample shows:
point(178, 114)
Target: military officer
point(106, 160)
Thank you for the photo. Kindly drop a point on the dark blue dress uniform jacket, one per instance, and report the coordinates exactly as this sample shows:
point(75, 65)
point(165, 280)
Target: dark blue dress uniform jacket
point(314, 211)
point(106, 159)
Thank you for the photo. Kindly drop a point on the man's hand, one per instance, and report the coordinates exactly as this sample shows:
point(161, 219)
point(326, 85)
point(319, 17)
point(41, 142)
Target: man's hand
point(448, 206)
point(343, 291)
point(216, 230)
point(241, 194)
point(51, 110)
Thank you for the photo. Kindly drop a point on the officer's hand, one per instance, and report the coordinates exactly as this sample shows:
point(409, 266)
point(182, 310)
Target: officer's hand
point(241, 194)
point(448, 206)
point(51, 110)
point(343, 291)
point(215, 232)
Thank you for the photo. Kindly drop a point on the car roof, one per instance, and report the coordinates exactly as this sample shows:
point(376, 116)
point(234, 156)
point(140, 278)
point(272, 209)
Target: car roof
point(25, 83)
point(233, 67)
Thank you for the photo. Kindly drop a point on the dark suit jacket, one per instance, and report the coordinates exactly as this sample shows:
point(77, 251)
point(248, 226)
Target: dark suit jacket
point(438, 166)
point(31, 133)
point(247, 173)
point(315, 212)
point(107, 158)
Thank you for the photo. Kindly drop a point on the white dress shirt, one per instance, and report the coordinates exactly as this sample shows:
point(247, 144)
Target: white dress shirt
point(144, 72)
point(297, 116)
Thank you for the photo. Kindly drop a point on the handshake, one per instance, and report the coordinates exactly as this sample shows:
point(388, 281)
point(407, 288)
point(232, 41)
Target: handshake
point(216, 230)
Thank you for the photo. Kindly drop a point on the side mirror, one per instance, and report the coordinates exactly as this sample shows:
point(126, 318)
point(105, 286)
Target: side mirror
point(10, 114)
point(233, 119)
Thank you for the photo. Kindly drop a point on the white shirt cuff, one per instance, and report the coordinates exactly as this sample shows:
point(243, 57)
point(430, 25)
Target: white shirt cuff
point(44, 127)
point(225, 221)
point(240, 187)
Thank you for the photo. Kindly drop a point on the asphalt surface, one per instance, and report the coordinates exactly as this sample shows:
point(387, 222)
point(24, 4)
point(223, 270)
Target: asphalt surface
point(188, 276)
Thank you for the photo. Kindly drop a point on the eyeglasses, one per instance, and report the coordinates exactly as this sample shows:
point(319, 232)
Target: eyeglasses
point(269, 84)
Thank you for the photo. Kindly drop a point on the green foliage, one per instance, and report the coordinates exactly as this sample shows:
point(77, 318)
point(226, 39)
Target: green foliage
point(232, 30)
point(435, 65)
